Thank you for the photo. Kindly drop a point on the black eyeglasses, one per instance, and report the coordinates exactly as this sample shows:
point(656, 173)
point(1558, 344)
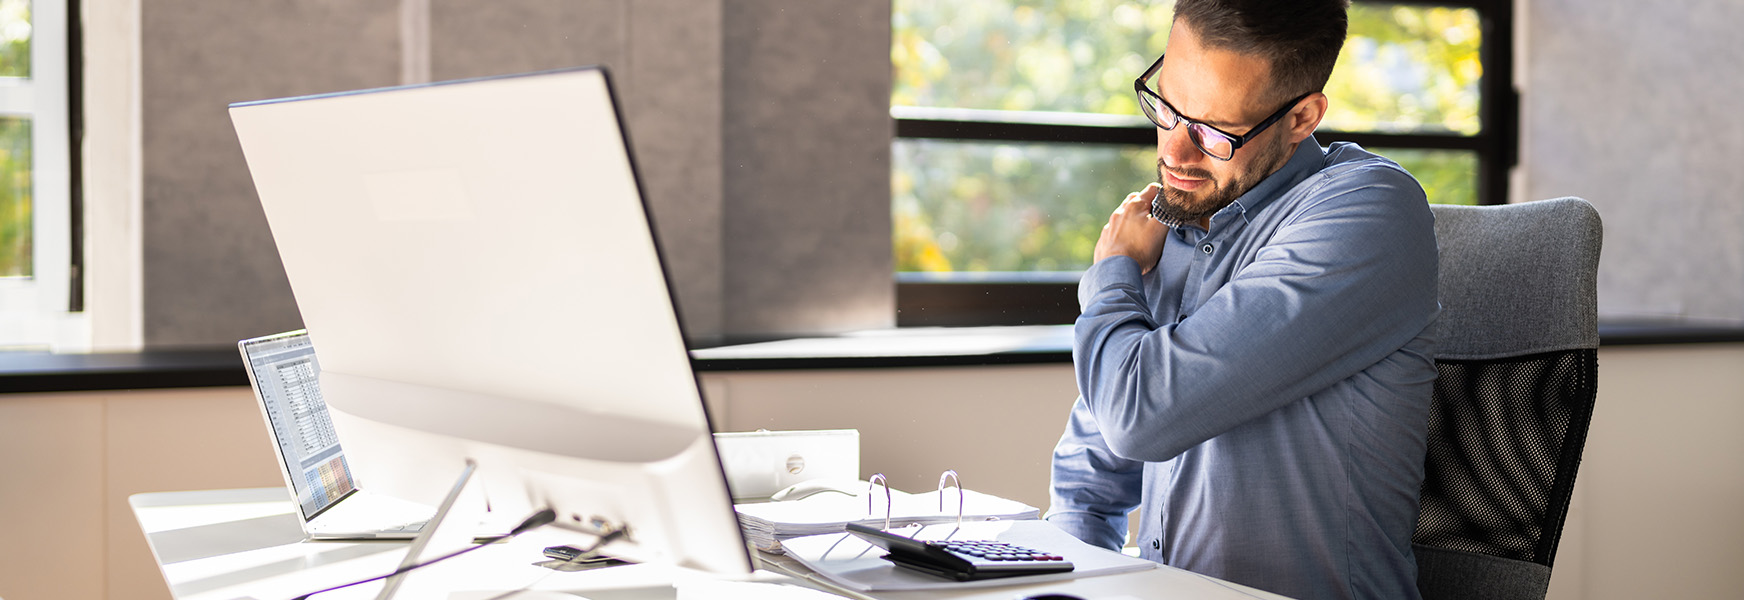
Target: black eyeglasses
point(1215, 143)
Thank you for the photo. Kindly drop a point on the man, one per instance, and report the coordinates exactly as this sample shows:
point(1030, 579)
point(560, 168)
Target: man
point(1254, 354)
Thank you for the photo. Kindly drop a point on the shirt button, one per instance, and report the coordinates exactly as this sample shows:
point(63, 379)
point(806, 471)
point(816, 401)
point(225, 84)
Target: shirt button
point(1157, 544)
point(1206, 248)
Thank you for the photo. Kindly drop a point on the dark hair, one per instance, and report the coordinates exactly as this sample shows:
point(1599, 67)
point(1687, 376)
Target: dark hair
point(1299, 38)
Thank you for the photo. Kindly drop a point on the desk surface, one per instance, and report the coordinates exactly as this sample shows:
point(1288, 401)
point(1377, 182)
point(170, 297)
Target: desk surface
point(226, 544)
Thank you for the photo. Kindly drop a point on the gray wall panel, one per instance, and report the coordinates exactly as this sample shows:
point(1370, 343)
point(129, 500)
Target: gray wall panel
point(807, 167)
point(673, 100)
point(1634, 108)
point(664, 57)
point(211, 273)
point(477, 39)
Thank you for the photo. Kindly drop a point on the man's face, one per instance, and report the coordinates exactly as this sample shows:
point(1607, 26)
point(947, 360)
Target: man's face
point(1227, 90)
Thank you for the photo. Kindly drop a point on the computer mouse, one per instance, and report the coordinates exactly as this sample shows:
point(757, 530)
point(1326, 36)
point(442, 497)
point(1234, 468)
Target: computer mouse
point(817, 486)
point(1051, 596)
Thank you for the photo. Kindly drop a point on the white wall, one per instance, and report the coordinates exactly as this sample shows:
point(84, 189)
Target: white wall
point(996, 426)
point(1655, 512)
point(71, 461)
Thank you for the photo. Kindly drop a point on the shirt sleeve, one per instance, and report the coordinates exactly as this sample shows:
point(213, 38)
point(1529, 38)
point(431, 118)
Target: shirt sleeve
point(1093, 489)
point(1348, 280)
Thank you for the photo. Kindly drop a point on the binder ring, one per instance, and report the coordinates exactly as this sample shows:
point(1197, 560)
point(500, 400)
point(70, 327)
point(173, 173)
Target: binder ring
point(879, 480)
point(951, 475)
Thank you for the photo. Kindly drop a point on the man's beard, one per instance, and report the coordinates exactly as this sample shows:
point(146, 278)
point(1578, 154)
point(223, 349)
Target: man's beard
point(1175, 207)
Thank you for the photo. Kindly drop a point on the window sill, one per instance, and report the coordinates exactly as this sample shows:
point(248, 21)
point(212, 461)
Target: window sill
point(31, 372)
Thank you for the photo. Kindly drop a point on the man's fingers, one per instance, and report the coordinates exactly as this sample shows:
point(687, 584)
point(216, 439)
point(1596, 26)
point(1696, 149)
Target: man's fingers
point(1137, 203)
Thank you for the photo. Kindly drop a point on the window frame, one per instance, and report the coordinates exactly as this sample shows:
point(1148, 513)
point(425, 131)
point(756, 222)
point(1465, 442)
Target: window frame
point(978, 299)
point(45, 309)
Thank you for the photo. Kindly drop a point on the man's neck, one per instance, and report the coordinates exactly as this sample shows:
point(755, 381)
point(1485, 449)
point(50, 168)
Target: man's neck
point(1283, 159)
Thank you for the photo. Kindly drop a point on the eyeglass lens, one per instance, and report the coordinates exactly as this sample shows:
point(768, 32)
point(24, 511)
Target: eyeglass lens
point(1208, 140)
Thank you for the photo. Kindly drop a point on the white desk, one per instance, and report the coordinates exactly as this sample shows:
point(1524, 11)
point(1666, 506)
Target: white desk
point(226, 544)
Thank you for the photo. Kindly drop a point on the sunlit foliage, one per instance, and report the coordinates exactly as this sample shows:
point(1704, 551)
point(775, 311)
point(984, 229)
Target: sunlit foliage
point(15, 220)
point(972, 206)
point(15, 165)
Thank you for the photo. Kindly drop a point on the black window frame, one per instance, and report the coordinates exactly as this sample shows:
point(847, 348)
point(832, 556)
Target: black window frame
point(76, 159)
point(981, 299)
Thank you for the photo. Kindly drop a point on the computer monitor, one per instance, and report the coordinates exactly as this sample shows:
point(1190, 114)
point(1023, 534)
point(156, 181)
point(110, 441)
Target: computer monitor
point(475, 262)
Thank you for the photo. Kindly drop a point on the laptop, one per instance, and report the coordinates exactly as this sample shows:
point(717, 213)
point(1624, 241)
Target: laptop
point(330, 505)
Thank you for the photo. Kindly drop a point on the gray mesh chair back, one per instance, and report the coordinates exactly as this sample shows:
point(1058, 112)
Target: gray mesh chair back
point(1517, 356)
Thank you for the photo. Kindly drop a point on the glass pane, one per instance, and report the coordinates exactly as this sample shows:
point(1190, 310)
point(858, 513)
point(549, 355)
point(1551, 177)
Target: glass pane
point(975, 206)
point(14, 38)
point(1407, 69)
point(1404, 68)
point(15, 221)
point(1448, 176)
point(964, 206)
point(1032, 55)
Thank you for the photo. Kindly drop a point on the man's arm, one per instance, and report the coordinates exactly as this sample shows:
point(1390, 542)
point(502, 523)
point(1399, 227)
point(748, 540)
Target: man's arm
point(1347, 282)
point(1093, 489)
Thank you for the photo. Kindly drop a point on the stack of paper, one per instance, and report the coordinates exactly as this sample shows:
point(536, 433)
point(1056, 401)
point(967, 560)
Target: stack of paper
point(768, 523)
point(853, 563)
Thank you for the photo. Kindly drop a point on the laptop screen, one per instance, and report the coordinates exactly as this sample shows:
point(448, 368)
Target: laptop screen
point(284, 373)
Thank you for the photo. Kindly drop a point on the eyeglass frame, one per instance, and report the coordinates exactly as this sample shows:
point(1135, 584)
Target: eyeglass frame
point(1235, 141)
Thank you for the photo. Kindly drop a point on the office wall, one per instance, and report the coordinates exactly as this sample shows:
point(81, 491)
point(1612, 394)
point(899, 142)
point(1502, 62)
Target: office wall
point(74, 458)
point(761, 129)
point(1656, 508)
point(1631, 105)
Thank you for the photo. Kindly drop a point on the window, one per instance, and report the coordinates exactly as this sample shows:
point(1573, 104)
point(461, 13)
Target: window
point(1017, 130)
point(37, 248)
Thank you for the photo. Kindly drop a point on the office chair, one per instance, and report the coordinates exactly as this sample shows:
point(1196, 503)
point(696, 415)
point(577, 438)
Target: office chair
point(1518, 373)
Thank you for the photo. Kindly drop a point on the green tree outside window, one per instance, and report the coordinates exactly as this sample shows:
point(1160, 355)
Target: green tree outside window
point(16, 223)
point(981, 206)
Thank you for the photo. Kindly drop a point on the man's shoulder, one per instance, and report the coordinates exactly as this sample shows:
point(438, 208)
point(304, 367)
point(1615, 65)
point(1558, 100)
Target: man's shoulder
point(1353, 181)
point(1351, 176)
point(1347, 162)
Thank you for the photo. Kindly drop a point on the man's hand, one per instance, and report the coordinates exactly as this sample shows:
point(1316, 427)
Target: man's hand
point(1132, 232)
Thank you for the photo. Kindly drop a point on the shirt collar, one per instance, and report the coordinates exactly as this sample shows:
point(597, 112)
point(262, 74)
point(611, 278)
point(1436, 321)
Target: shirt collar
point(1307, 160)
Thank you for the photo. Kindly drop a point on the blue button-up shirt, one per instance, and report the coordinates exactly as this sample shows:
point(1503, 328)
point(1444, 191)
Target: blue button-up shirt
point(1262, 395)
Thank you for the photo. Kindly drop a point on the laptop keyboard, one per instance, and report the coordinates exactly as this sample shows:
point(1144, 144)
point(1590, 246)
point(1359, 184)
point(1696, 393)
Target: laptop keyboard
point(343, 526)
point(407, 528)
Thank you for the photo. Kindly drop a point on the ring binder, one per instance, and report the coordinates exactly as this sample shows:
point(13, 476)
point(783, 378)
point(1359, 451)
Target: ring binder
point(879, 480)
point(951, 474)
point(766, 524)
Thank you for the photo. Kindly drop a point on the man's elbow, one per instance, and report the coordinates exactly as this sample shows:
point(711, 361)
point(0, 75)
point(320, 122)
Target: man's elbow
point(1133, 443)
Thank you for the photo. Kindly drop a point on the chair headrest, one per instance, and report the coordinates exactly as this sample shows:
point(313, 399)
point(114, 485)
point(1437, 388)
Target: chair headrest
point(1517, 279)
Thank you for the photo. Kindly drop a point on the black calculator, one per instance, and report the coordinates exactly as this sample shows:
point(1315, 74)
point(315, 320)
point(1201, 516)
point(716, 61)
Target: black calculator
point(962, 560)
